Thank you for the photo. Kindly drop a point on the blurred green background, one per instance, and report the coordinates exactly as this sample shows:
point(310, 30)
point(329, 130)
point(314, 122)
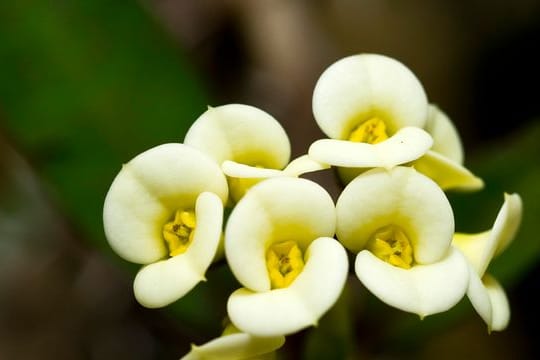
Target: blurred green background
point(87, 85)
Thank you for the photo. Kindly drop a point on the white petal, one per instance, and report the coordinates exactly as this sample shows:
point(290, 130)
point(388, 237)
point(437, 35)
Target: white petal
point(489, 300)
point(479, 297)
point(360, 87)
point(148, 190)
point(297, 167)
point(422, 289)
point(401, 197)
point(240, 133)
point(446, 139)
point(480, 248)
point(499, 303)
point(238, 346)
point(127, 201)
point(278, 209)
point(288, 310)
point(406, 145)
point(449, 175)
point(304, 164)
point(508, 221)
point(164, 282)
point(234, 169)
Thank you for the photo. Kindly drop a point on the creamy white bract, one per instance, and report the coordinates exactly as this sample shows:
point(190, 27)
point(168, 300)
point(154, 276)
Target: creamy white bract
point(279, 245)
point(400, 224)
point(444, 161)
point(373, 109)
point(485, 293)
point(243, 135)
point(240, 133)
point(235, 345)
point(376, 114)
point(164, 210)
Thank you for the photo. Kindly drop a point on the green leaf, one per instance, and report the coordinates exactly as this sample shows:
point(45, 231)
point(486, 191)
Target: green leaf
point(85, 86)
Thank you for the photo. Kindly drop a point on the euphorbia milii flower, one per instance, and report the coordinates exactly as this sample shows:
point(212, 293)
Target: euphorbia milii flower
point(400, 224)
point(279, 245)
point(240, 134)
point(373, 109)
point(165, 210)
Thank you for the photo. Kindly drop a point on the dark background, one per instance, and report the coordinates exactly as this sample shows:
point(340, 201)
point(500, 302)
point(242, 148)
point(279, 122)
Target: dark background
point(87, 85)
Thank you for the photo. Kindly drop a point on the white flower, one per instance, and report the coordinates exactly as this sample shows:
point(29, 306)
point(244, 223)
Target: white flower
point(373, 108)
point(243, 135)
point(165, 210)
point(278, 244)
point(485, 293)
point(444, 161)
point(235, 345)
point(401, 225)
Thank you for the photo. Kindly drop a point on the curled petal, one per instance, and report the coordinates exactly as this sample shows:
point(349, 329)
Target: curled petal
point(165, 281)
point(479, 297)
point(489, 300)
point(401, 197)
point(304, 164)
point(510, 219)
point(487, 296)
point(422, 289)
point(148, 190)
point(360, 87)
point(406, 145)
point(240, 133)
point(499, 303)
point(234, 169)
point(446, 139)
point(449, 175)
point(297, 167)
point(239, 346)
point(480, 248)
point(301, 304)
point(274, 210)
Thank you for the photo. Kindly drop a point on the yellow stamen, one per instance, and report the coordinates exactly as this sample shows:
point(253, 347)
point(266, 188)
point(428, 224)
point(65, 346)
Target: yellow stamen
point(372, 131)
point(392, 245)
point(284, 261)
point(178, 233)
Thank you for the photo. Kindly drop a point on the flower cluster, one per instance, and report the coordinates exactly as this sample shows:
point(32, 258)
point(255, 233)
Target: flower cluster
point(285, 240)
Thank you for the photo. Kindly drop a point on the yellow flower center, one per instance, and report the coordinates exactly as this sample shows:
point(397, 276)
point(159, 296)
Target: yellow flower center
point(178, 233)
point(372, 131)
point(239, 186)
point(392, 245)
point(284, 261)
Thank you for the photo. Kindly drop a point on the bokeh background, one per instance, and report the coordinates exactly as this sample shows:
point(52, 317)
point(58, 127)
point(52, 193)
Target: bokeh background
point(87, 85)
